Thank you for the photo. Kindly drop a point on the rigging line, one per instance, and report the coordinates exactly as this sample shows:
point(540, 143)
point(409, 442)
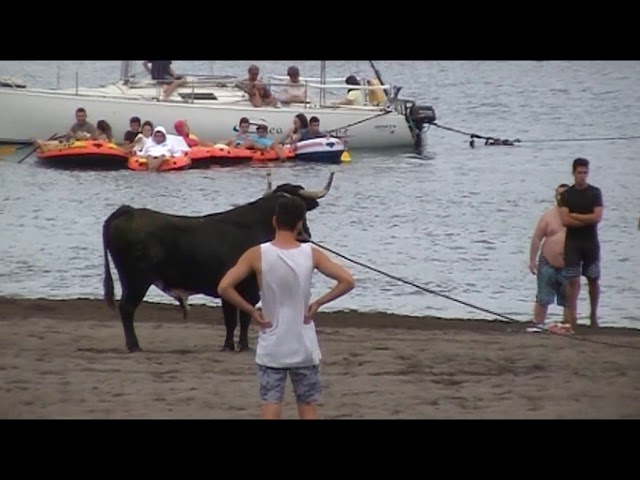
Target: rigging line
point(537, 140)
point(448, 297)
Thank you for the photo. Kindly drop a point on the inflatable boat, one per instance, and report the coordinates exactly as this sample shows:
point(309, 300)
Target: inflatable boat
point(139, 164)
point(219, 154)
point(321, 150)
point(94, 154)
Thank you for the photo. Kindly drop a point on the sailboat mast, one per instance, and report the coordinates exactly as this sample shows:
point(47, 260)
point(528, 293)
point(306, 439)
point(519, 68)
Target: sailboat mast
point(323, 81)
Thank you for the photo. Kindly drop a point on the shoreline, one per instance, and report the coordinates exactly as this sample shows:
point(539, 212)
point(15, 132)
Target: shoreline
point(96, 309)
point(67, 359)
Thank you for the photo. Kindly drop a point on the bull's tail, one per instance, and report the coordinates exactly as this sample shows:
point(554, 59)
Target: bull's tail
point(109, 294)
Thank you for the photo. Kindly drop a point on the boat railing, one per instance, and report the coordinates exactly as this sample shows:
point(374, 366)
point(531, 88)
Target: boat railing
point(233, 85)
point(231, 91)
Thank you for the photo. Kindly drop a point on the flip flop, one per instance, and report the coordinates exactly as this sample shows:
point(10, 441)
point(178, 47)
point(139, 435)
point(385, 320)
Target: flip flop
point(561, 329)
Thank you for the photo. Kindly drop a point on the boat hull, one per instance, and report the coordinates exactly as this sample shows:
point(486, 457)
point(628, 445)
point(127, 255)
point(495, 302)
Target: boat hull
point(31, 113)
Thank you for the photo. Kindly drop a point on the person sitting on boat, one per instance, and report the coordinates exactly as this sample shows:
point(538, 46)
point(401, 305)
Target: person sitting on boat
point(259, 94)
point(158, 149)
point(162, 73)
point(295, 91)
point(313, 131)
point(263, 142)
point(354, 95)
point(300, 124)
point(142, 138)
point(242, 138)
point(82, 129)
point(103, 131)
point(135, 126)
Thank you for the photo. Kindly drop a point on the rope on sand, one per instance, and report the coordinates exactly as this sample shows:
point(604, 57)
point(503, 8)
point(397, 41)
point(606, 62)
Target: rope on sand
point(453, 299)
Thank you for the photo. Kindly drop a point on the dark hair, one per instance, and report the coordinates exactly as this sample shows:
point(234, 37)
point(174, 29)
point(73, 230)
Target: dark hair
point(80, 110)
point(293, 70)
point(580, 162)
point(562, 185)
point(147, 123)
point(135, 120)
point(289, 212)
point(243, 120)
point(304, 123)
point(314, 119)
point(105, 128)
point(351, 80)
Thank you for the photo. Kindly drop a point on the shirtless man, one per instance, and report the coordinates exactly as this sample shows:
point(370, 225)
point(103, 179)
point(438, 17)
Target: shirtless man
point(550, 265)
point(259, 94)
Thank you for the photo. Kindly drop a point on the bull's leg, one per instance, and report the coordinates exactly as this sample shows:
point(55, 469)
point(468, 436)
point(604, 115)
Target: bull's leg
point(132, 296)
point(245, 322)
point(230, 313)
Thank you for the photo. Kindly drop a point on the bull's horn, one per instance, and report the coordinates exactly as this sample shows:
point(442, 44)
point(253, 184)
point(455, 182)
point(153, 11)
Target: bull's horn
point(318, 194)
point(269, 185)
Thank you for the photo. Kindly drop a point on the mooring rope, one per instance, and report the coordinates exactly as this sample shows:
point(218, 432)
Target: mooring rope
point(501, 141)
point(453, 299)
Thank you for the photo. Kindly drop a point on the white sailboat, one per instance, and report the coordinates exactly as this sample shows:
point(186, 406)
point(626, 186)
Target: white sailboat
point(212, 105)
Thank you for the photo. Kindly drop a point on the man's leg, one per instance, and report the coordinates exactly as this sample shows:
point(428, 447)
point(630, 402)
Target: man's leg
point(572, 272)
point(308, 389)
point(591, 270)
point(545, 293)
point(272, 382)
point(168, 91)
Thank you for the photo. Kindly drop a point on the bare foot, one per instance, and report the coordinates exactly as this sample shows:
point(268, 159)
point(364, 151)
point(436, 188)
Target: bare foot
point(594, 321)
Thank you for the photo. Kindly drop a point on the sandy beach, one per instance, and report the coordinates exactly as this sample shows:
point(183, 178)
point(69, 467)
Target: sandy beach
point(66, 359)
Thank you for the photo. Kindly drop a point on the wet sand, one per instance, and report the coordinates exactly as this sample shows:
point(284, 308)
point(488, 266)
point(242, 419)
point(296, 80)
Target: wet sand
point(66, 359)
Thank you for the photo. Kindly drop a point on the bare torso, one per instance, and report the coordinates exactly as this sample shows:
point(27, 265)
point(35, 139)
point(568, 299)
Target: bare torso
point(554, 236)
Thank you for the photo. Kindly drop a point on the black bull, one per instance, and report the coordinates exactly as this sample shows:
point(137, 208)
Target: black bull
point(188, 255)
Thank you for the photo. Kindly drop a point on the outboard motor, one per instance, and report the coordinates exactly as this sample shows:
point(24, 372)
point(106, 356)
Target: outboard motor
point(421, 115)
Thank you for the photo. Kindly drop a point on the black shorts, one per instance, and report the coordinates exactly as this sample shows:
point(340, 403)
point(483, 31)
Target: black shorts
point(582, 259)
point(168, 79)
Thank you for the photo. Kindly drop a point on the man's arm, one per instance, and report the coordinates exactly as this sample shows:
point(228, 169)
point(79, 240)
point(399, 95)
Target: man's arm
point(588, 218)
point(241, 270)
point(568, 220)
point(596, 216)
point(336, 272)
point(536, 240)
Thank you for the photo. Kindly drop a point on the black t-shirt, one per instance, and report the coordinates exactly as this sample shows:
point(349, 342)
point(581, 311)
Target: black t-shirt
point(160, 69)
point(130, 136)
point(583, 201)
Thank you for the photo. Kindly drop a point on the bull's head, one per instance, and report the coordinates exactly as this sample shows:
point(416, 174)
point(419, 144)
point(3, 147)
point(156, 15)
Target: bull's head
point(310, 198)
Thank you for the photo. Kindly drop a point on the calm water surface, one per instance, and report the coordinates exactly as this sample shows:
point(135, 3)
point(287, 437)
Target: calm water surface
point(457, 220)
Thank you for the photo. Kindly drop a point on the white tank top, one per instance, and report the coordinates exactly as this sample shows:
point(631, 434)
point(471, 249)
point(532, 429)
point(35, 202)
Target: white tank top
point(285, 292)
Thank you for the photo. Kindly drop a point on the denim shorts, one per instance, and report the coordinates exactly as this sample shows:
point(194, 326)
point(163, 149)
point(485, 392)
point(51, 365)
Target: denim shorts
point(551, 284)
point(305, 380)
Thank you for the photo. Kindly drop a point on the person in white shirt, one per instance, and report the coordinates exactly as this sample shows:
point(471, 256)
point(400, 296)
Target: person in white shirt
point(158, 149)
point(287, 342)
point(295, 91)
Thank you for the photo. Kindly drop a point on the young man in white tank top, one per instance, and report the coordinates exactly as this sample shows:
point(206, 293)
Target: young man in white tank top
point(287, 342)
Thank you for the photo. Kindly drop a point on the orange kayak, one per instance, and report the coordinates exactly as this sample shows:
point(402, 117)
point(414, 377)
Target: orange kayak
point(271, 155)
point(204, 157)
point(181, 162)
point(87, 154)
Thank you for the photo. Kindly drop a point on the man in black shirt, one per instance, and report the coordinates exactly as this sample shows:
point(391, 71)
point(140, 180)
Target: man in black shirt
point(135, 128)
point(162, 73)
point(581, 211)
